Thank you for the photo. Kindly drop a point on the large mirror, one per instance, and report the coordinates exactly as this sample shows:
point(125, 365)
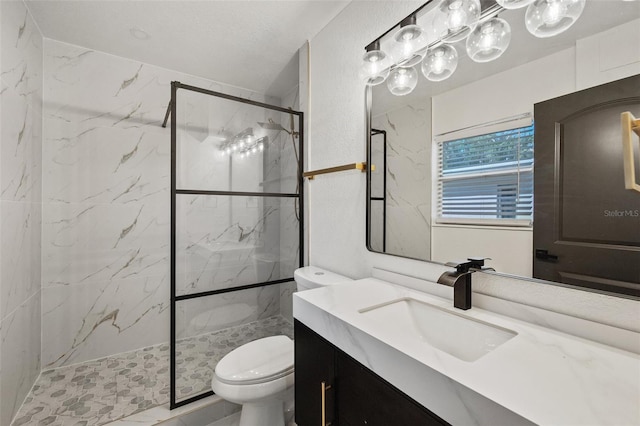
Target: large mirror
point(519, 159)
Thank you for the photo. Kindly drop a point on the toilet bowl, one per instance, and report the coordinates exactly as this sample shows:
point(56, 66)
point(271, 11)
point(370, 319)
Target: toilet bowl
point(259, 374)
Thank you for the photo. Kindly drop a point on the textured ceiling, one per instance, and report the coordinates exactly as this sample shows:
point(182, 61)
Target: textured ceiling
point(249, 44)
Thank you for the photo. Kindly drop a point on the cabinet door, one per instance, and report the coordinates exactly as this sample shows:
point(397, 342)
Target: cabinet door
point(314, 365)
point(364, 398)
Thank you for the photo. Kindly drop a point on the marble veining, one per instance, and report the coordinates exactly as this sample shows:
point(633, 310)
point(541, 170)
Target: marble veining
point(105, 390)
point(106, 211)
point(102, 312)
point(408, 195)
point(126, 83)
point(21, 92)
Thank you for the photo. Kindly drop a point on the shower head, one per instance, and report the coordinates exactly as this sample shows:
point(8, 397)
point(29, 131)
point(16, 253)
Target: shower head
point(271, 125)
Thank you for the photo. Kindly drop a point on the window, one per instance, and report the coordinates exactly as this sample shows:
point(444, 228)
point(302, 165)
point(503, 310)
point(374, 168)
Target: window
point(487, 179)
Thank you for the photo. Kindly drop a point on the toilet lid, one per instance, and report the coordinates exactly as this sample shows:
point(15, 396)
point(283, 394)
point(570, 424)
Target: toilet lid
point(257, 361)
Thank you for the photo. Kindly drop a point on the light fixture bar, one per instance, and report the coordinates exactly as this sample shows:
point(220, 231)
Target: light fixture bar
point(485, 15)
point(409, 20)
point(414, 14)
point(374, 45)
point(244, 143)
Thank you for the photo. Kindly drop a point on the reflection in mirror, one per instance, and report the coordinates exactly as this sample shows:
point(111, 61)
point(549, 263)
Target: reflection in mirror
point(453, 158)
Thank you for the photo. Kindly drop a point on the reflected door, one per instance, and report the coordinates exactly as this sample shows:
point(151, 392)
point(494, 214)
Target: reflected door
point(586, 223)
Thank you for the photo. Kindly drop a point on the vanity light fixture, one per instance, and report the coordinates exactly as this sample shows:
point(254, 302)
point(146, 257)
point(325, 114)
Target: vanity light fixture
point(408, 41)
point(243, 143)
point(547, 18)
point(487, 38)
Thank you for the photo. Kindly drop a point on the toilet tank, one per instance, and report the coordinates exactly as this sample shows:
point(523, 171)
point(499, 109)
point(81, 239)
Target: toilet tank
point(310, 277)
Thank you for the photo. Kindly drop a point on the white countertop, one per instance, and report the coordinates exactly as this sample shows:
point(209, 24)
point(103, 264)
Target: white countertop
point(542, 376)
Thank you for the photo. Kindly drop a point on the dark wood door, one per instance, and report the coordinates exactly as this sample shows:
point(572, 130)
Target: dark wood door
point(586, 224)
point(314, 365)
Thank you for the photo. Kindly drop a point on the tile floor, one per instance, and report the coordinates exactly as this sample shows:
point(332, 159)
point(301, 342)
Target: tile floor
point(105, 390)
point(199, 413)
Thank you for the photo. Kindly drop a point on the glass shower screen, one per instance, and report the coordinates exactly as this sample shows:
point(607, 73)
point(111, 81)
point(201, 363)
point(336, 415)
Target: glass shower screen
point(236, 229)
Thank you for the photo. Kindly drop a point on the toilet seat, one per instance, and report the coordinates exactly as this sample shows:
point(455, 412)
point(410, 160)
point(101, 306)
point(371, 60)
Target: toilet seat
point(256, 362)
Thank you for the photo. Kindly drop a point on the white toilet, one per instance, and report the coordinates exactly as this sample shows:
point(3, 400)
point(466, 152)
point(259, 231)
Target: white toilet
point(259, 374)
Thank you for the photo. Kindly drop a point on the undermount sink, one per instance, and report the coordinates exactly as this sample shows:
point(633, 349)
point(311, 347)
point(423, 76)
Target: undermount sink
point(465, 338)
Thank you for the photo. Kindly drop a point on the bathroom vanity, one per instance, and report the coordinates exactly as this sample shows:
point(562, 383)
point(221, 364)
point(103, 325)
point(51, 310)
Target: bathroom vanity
point(372, 352)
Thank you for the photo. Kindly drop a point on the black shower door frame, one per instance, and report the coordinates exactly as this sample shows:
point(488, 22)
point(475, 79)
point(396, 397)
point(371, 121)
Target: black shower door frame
point(376, 132)
point(175, 86)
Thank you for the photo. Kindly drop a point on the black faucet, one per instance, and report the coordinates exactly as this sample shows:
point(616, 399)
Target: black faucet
point(460, 280)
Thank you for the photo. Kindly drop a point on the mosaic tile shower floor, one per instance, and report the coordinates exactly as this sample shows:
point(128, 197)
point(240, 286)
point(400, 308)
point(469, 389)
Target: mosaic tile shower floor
point(102, 391)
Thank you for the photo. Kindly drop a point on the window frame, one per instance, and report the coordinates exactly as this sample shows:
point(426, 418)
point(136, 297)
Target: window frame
point(519, 168)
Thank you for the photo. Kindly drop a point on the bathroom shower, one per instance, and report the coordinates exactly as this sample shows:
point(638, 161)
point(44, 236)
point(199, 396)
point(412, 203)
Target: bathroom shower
point(235, 229)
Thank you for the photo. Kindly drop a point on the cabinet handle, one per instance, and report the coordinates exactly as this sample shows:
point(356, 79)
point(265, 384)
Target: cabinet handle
point(323, 389)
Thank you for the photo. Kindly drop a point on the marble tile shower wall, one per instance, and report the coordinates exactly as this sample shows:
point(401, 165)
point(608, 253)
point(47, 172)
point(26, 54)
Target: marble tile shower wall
point(408, 179)
point(20, 204)
point(106, 216)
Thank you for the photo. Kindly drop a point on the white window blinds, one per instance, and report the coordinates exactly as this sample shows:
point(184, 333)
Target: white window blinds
point(487, 179)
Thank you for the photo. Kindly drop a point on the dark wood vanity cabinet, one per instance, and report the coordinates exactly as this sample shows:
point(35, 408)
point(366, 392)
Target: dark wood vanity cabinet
point(329, 382)
point(314, 365)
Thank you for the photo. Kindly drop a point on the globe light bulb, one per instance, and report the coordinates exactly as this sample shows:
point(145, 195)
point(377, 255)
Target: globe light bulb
point(408, 42)
point(547, 18)
point(402, 81)
point(455, 19)
point(440, 62)
point(489, 40)
point(375, 67)
point(553, 13)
